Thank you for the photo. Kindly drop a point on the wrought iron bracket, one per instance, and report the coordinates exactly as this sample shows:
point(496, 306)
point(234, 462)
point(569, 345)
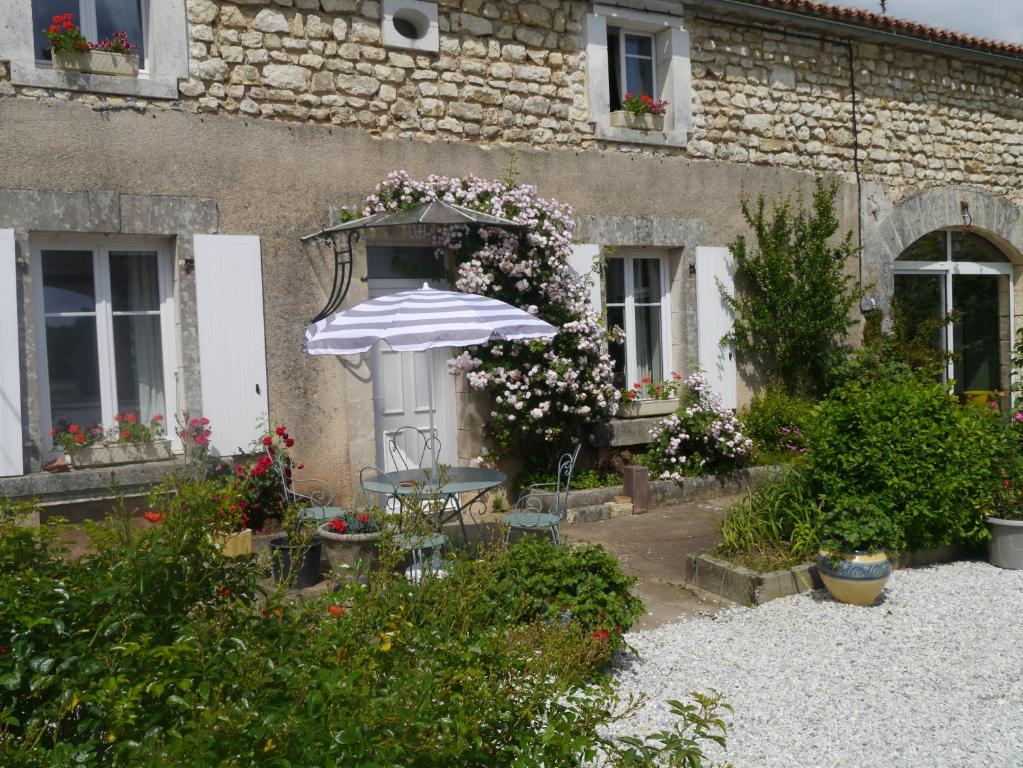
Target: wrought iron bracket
point(342, 244)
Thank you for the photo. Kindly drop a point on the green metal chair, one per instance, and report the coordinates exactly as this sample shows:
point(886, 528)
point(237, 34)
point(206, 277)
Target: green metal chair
point(318, 497)
point(541, 507)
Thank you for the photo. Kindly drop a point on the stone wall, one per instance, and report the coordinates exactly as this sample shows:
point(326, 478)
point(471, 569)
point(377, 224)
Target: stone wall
point(505, 72)
point(513, 73)
point(775, 98)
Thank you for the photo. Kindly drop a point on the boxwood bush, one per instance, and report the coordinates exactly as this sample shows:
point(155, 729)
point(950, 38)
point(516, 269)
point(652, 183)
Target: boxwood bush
point(154, 650)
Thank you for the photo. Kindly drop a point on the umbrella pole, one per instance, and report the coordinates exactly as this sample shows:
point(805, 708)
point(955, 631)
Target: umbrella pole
point(433, 436)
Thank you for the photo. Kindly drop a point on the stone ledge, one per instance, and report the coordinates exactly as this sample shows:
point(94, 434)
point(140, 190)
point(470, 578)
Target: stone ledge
point(619, 432)
point(51, 488)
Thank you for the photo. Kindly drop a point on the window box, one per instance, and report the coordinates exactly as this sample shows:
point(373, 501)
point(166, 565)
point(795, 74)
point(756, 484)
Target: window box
point(98, 63)
point(122, 453)
point(622, 119)
point(640, 409)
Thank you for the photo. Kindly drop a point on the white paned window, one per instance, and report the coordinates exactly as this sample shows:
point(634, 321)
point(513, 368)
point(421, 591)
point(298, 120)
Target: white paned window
point(105, 330)
point(637, 301)
point(98, 19)
point(631, 65)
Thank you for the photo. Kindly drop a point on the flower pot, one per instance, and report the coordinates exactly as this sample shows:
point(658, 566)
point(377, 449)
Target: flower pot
point(623, 119)
point(236, 544)
point(121, 453)
point(97, 63)
point(637, 409)
point(349, 548)
point(1005, 548)
point(856, 578)
point(294, 567)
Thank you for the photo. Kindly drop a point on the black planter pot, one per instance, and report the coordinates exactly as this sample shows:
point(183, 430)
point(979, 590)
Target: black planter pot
point(298, 569)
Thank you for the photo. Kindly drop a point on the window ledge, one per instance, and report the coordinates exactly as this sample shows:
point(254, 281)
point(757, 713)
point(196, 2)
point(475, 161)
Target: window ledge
point(51, 488)
point(23, 74)
point(632, 136)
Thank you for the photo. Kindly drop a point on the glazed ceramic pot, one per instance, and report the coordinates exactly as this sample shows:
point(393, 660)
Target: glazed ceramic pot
point(1005, 548)
point(856, 578)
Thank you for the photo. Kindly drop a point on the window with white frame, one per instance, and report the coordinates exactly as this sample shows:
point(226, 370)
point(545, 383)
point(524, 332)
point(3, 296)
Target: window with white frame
point(98, 19)
point(642, 53)
point(637, 301)
point(104, 330)
point(630, 65)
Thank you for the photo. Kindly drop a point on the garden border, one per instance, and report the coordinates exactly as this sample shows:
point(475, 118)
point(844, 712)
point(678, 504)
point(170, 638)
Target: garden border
point(746, 587)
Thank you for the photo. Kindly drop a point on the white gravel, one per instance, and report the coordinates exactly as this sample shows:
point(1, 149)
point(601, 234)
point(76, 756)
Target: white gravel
point(931, 676)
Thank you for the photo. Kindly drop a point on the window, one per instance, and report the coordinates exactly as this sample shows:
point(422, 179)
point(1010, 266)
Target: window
point(961, 272)
point(636, 297)
point(105, 328)
point(98, 19)
point(630, 65)
point(640, 52)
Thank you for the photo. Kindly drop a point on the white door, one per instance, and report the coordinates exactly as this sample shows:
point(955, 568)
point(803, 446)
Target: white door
point(714, 271)
point(401, 392)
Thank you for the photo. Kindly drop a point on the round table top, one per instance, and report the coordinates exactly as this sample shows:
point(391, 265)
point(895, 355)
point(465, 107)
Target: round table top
point(409, 482)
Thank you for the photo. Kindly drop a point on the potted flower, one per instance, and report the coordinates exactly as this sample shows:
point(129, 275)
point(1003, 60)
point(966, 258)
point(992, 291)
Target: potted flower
point(72, 438)
point(71, 52)
point(640, 112)
point(351, 537)
point(853, 561)
point(295, 556)
point(651, 397)
point(1005, 523)
point(131, 441)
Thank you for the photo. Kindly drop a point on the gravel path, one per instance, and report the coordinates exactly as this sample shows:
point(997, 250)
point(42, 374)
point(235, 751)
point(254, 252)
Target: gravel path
point(930, 677)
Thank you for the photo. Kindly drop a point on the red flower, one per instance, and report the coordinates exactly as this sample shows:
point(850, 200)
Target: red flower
point(201, 440)
point(601, 634)
point(280, 431)
point(646, 379)
point(289, 443)
point(79, 438)
point(636, 386)
point(158, 417)
point(74, 429)
point(3, 649)
point(268, 440)
point(153, 517)
point(55, 28)
point(300, 466)
point(336, 610)
point(337, 525)
point(239, 470)
point(124, 434)
point(224, 591)
point(363, 517)
point(631, 394)
point(628, 94)
point(53, 432)
point(132, 418)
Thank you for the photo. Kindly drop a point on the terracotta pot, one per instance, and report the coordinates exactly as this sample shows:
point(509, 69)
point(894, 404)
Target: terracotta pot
point(856, 578)
point(97, 63)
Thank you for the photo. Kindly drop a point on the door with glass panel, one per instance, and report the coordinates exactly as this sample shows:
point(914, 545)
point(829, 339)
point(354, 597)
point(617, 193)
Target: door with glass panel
point(105, 325)
point(637, 301)
point(967, 275)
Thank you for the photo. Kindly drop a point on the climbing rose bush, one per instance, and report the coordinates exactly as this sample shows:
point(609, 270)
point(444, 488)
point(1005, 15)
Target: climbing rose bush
point(548, 388)
point(701, 437)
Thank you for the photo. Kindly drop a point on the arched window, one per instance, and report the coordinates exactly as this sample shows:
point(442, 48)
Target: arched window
point(954, 271)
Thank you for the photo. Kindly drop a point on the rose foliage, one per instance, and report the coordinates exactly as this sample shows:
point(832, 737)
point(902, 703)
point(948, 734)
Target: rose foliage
point(545, 389)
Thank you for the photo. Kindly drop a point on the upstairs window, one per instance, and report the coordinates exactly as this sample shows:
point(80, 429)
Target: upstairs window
point(631, 67)
point(98, 19)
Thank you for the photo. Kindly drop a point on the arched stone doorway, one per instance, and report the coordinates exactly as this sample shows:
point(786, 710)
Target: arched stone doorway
point(960, 273)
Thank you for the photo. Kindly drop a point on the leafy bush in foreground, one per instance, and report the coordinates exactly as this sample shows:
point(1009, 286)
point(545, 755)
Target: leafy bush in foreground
point(155, 650)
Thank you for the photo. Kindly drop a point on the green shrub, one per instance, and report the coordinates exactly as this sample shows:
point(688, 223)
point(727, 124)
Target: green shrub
point(779, 425)
point(926, 464)
point(777, 526)
point(155, 650)
point(580, 584)
point(582, 479)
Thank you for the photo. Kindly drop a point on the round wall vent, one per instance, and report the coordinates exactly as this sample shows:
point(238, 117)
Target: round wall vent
point(410, 23)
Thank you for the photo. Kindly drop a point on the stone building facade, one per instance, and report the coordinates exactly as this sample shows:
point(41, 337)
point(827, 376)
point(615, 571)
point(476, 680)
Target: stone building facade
point(260, 118)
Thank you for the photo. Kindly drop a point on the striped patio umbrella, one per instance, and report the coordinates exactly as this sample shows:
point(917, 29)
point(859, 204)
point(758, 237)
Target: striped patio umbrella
point(426, 318)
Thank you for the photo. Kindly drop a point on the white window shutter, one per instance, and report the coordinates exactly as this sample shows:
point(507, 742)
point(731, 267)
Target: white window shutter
point(232, 350)
point(12, 461)
point(714, 320)
point(582, 260)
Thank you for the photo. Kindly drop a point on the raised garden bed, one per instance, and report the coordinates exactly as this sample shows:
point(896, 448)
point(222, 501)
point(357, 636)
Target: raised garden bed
point(747, 587)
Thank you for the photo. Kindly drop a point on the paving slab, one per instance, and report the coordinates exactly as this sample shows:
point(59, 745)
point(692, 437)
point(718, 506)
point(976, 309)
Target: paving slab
point(653, 547)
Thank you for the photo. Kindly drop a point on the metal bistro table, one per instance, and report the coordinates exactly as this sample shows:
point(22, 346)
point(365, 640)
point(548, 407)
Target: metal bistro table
point(457, 481)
